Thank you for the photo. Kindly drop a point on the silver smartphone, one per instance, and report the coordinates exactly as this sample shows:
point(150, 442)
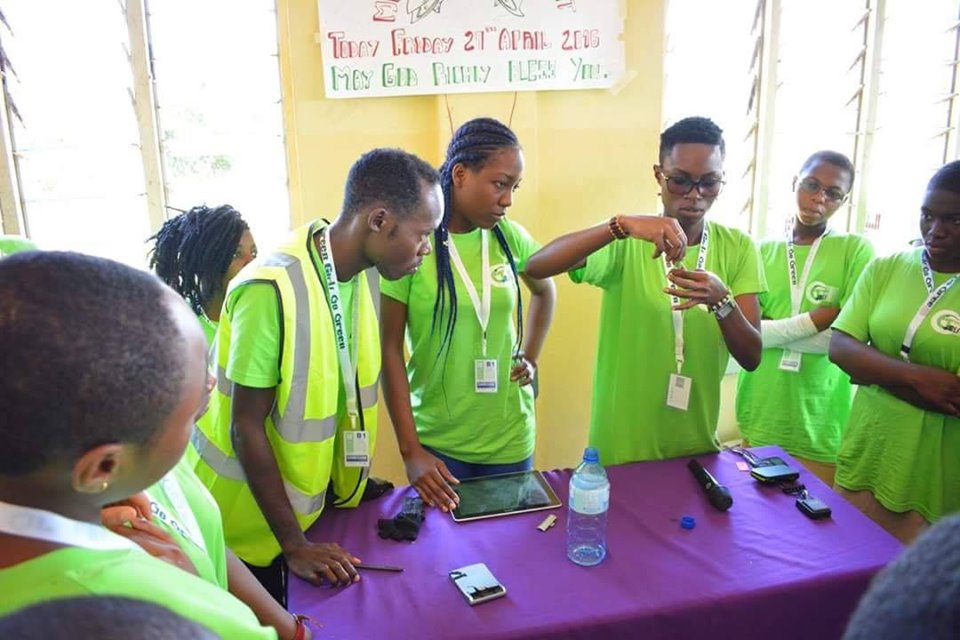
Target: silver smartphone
point(477, 584)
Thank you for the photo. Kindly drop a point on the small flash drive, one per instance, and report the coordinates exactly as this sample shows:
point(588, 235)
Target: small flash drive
point(548, 522)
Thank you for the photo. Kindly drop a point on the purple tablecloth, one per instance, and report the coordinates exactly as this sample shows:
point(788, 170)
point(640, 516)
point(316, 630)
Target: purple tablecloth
point(760, 568)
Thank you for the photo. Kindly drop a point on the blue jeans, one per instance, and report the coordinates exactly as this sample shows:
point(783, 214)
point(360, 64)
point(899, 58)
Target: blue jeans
point(462, 470)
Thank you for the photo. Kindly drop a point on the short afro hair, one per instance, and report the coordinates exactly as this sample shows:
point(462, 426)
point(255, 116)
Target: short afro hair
point(100, 618)
point(918, 594)
point(946, 178)
point(835, 158)
point(391, 176)
point(91, 355)
point(696, 130)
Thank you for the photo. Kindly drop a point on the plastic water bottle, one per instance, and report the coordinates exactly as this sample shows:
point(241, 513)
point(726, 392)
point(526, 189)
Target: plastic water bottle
point(587, 517)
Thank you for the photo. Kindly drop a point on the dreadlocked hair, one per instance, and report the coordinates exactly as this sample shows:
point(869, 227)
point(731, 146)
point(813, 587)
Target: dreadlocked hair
point(472, 145)
point(192, 251)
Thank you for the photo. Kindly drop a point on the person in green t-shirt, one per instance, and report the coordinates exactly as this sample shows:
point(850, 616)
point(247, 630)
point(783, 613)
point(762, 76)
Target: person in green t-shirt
point(198, 252)
point(899, 338)
point(666, 328)
point(178, 510)
point(797, 398)
point(10, 245)
point(463, 405)
point(92, 419)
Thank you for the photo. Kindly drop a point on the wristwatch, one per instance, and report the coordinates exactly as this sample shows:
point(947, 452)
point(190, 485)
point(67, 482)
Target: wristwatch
point(723, 308)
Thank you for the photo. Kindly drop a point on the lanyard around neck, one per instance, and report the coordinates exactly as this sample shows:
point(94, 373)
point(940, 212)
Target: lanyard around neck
point(481, 305)
point(348, 353)
point(678, 344)
point(933, 297)
point(797, 286)
point(38, 524)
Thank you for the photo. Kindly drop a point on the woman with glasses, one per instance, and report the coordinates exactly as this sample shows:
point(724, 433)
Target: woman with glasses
point(899, 337)
point(797, 398)
point(670, 317)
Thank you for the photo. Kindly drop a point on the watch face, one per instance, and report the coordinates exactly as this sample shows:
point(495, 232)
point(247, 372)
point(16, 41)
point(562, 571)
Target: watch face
point(725, 309)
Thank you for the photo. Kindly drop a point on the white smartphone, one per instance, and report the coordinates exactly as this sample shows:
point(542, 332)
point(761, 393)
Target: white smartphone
point(477, 584)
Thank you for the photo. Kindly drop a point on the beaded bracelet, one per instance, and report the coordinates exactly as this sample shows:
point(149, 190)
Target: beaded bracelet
point(616, 229)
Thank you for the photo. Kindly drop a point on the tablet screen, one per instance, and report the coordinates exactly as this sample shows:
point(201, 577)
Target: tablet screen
point(502, 495)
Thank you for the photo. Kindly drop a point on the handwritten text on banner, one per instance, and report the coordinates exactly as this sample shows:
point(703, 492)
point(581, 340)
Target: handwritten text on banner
point(415, 47)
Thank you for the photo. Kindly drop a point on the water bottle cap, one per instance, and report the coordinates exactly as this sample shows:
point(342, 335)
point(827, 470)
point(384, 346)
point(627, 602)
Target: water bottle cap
point(590, 454)
point(688, 522)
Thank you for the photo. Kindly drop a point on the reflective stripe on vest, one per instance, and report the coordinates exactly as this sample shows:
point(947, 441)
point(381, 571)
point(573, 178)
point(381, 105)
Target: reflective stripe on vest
point(230, 468)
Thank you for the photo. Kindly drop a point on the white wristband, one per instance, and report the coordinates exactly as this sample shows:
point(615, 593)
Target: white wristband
point(776, 333)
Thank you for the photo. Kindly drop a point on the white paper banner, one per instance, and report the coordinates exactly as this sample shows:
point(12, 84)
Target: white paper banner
point(417, 47)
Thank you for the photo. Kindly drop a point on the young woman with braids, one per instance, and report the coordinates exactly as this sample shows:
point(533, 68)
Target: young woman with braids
point(463, 405)
point(198, 252)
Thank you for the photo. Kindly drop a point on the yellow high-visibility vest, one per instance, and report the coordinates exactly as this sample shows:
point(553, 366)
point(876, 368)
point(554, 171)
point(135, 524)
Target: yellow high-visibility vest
point(303, 428)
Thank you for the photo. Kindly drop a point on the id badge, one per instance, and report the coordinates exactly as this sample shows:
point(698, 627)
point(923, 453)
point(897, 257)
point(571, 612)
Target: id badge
point(485, 376)
point(356, 449)
point(790, 361)
point(678, 393)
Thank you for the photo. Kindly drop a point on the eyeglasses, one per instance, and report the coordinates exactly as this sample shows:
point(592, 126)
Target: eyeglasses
point(812, 186)
point(682, 185)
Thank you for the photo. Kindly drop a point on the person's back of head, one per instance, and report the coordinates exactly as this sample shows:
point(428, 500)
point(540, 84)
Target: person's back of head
point(918, 594)
point(103, 618)
point(96, 355)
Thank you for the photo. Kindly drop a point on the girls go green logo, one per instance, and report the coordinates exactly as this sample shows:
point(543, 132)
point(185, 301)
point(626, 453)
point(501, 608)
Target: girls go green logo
point(820, 293)
point(946, 322)
point(501, 275)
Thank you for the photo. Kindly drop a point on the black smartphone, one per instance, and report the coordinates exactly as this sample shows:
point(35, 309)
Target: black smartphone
point(772, 461)
point(813, 508)
point(774, 473)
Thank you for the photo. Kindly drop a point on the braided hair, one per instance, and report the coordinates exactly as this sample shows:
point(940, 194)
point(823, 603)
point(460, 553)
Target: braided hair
point(472, 145)
point(192, 252)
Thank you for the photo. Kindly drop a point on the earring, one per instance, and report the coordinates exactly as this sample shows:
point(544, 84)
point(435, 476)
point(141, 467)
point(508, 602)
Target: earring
point(659, 194)
point(103, 486)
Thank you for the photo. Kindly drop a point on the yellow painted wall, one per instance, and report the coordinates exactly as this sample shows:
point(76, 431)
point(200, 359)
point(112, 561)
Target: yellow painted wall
point(588, 156)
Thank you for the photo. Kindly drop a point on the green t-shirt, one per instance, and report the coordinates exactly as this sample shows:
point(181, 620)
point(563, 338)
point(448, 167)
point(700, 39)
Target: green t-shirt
point(629, 417)
point(451, 417)
point(804, 411)
point(908, 457)
point(254, 359)
point(76, 572)
point(14, 244)
point(210, 559)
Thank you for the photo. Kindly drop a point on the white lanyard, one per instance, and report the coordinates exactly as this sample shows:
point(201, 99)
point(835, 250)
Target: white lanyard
point(52, 527)
point(797, 286)
point(480, 305)
point(933, 298)
point(678, 315)
point(348, 364)
point(182, 520)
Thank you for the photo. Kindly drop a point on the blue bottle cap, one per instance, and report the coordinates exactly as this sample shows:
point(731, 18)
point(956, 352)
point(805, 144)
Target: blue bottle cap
point(590, 454)
point(688, 522)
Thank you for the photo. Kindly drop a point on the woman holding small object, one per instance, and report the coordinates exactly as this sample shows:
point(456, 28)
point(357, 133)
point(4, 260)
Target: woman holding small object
point(666, 329)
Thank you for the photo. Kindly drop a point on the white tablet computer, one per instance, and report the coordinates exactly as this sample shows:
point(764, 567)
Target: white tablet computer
point(503, 495)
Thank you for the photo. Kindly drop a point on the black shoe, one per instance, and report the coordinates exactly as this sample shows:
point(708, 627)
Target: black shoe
point(375, 488)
